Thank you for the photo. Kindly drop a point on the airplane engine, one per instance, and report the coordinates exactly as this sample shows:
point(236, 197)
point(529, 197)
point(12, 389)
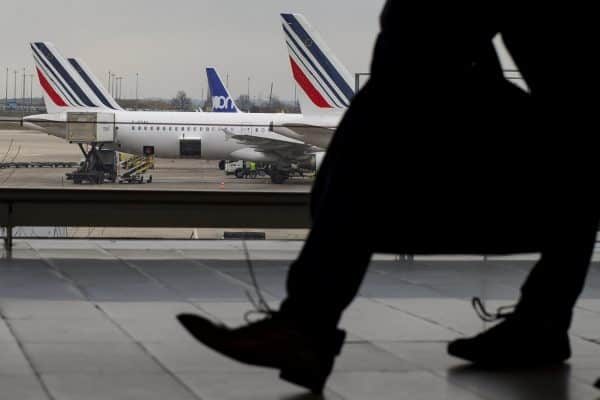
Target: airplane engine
point(314, 162)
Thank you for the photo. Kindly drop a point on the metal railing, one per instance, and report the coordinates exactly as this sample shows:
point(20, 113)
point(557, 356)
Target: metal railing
point(151, 209)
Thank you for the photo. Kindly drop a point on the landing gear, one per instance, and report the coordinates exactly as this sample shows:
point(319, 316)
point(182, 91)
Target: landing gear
point(278, 175)
point(279, 178)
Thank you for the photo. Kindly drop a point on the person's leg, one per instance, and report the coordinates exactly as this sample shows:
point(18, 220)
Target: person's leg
point(326, 276)
point(556, 281)
point(537, 331)
point(556, 65)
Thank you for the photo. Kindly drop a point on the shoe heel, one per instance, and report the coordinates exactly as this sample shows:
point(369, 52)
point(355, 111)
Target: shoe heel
point(308, 379)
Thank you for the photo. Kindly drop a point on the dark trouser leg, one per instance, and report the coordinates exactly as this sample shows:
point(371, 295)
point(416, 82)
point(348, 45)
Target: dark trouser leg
point(327, 275)
point(557, 280)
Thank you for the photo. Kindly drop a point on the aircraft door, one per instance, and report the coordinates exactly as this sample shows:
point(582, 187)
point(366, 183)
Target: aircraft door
point(190, 148)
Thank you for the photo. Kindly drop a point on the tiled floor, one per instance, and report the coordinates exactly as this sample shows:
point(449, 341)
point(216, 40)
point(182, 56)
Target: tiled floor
point(95, 320)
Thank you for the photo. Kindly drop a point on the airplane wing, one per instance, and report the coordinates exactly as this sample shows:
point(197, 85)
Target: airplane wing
point(283, 147)
point(310, 134)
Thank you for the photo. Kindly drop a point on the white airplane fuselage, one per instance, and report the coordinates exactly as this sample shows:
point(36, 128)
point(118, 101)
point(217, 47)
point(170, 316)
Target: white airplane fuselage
point(166, 133)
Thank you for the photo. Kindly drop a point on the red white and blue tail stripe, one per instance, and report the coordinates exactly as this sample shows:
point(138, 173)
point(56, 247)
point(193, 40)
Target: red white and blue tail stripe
point(94, 84)
point(326, 85)
point(68, 84)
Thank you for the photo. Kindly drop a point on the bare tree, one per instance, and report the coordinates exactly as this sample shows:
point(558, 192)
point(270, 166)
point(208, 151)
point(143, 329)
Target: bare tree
point(182, 102)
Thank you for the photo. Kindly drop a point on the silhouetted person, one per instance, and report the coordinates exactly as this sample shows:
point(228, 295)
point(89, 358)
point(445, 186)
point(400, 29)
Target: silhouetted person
point(484, 167)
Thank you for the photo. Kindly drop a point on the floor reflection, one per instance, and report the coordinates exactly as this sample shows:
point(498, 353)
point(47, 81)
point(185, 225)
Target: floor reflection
point(548, 383)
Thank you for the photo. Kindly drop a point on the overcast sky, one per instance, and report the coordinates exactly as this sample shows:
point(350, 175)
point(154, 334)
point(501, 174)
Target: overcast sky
point(170, 42)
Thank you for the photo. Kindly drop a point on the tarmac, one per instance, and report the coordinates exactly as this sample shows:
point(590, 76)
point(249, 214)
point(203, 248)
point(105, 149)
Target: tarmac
point(96, 320)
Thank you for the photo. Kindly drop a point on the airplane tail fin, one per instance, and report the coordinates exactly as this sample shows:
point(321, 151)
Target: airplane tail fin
point(94, 84)
point(66, 85)
point(325, 84)
point(221, 99)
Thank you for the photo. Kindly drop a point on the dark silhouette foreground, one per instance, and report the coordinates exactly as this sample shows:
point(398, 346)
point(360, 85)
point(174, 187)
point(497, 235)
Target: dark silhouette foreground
point(479, 167)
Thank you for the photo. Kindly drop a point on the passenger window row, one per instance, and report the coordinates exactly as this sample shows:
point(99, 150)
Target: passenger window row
point(153, 128)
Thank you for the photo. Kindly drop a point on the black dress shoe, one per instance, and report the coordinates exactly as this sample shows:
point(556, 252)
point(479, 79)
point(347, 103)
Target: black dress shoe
point(514, 342)
point(276, 342)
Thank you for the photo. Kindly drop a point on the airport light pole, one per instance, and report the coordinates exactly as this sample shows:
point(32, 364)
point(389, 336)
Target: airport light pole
point(248, 94)
point(137, 84)
point(6, 94)
point(114, 84)
point(15, 88)
point(30, 92)
point(23, 97)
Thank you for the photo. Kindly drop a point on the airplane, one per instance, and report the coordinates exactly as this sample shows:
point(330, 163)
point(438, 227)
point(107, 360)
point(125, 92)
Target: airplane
point(221, 98)
point(325, 84)
point(71, 88)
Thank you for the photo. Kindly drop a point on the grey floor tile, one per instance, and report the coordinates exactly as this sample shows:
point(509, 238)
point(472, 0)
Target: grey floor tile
point(45, 309)
point(552, 383)
point(191, 280)
point(162, 329)
point(412, 385)
point(12, 360)
point(68, 331)
point(230, 312)
point(248, 386)
point(149, 310)
point(193, 357)
point(586, 324)
point(454, 314)
point(368, 357)
point(6, 335)
point(22, 387)
point(585, 375)
point(127, 386)
point(377, 322)
point(114, 358)
point(427, 356)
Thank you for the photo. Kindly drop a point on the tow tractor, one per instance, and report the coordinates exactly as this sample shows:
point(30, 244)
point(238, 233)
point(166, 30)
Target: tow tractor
point(98, 166)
